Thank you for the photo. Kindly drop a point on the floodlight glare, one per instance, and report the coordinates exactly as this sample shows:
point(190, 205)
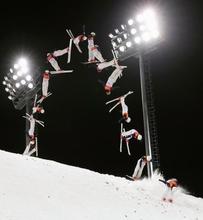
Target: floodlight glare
point(139, 18)
point(133, 31)
point(122, 48)
point(116, 31)
point(155, 34)
point(130, 21)
point(129, 44)
point(28, 77)
point(11, 70)
point(142, 27)
point(4, 82)
point(119, 40)
point(30, 85)
point(7, 89)
point(114, 44)
point(19, 73)
point(111, 35)
point(23, 82)
point(22, 62)
point(16, 66)
point(123, 26)
point(9, 85)
point(24, 69)
point(17, 85)
point(10, 97)
point(15, 77)
point(146, 36)
point(137, 40)
point(125, 36)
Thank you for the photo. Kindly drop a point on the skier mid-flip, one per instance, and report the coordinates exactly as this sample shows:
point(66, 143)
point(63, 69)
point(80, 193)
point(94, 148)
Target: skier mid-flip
point(127, 135)
point(51, 57)
point(121, 100)
point(93, 52)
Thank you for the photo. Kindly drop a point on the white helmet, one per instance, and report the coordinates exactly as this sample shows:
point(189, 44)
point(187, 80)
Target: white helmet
point(42, 111)
point(92, 33)
point(128, 120)
point(139, 137)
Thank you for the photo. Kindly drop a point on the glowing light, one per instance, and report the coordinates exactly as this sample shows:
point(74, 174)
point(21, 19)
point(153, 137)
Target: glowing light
point(133, 31)
point(122, 48)
point(111, 35)
point(114, 44)
point(17, 85)
point(24, 69)
point(139, 18)
point(4, 82)
point(130, 21)
point(19, 73)
point(137, 40)
point(129, 44)
point(28, 77)
point(10, 97)
point(125, 36)
point(30, 85)
point(7, 89)
point(15, 77)
point(142, 27)
point(123, 26)
point(16, 66)
point(155, 34)
point(119, 40)
point(22, 62)
point(11, 70)
point(23, 82)
point(146, 36)
point(116, 31)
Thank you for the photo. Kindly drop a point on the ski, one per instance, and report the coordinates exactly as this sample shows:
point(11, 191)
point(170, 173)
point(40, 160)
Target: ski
point(72, 37)
point(70, 49)
point(61, 71)
point(129, 177)
point(121, 138)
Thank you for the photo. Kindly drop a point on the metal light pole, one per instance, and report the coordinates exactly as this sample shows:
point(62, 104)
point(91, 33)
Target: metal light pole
point(145, 116)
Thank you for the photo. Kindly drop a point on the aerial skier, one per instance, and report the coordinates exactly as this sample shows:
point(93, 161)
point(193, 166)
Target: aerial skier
point(171, 185)
point(140, 166)
point(93, 53)
point(121, 100)
point(45, 86)
point(117, 73)
point(51, 57)
point(127, 135)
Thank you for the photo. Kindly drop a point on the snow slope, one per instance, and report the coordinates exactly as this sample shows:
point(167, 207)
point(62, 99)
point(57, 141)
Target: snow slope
point(37, 189)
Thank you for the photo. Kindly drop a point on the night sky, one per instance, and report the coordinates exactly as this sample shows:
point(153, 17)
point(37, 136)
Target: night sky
point(79, 131)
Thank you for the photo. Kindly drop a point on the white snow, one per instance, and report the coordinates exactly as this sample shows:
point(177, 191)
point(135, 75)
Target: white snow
point(38, 189)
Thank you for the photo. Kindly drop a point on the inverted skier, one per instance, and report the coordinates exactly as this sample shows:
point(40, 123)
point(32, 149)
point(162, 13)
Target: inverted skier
point(127, 135)
point(51, 57)
point(121, 100)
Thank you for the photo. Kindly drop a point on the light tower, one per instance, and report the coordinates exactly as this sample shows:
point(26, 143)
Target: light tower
point(22, 86)
point(138, 38)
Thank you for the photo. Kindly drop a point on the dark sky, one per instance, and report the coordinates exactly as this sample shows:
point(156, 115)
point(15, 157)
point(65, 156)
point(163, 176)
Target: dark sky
point(79, 131)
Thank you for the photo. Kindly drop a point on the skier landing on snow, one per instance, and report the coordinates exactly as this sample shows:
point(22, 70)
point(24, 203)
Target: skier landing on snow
point(171, 184)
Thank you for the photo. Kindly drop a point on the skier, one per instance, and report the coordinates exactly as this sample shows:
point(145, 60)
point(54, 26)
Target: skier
point(117, 73)
point(121, 100)
point(140, 166)
point(127, 135)
point(51, 57)
point(101, 66)
point(45, 86)
point(93, 52)
point(38, 109)
point(170, 185)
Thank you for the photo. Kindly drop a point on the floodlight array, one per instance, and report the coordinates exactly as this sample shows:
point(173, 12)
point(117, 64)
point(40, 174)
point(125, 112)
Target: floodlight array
point(140, 31)
point(18, 79)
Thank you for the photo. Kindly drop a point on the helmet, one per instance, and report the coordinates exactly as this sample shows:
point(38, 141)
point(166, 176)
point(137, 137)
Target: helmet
point(84, 38)
point(139, 137)
point(92, 33)
point(128, 120)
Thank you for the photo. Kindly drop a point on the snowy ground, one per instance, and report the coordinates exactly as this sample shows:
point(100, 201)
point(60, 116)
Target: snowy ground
point(37, 189)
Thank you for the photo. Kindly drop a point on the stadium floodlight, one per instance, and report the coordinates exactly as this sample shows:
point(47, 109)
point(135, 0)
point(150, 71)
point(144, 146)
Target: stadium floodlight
point(20, 80)
point(139, 38)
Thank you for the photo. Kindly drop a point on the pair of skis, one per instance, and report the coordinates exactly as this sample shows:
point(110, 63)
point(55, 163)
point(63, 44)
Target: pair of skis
point(28, 150)
point(70, 44)
point(118, 99)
